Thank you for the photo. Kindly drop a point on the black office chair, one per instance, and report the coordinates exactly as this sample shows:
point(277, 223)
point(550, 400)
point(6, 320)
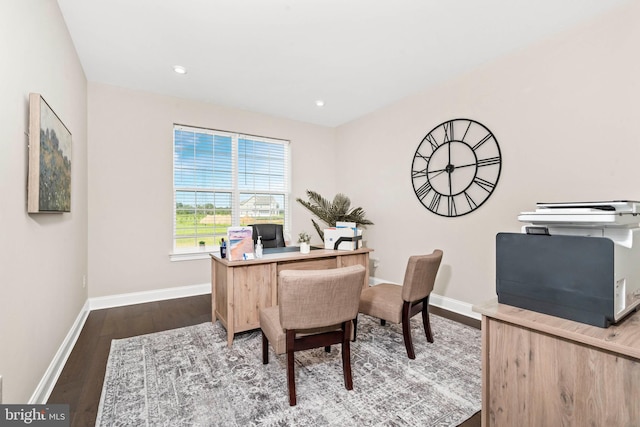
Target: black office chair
point(272, 235)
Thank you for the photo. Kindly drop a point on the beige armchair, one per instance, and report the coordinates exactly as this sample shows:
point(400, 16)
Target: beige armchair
point(315, 309)
point(398, 304)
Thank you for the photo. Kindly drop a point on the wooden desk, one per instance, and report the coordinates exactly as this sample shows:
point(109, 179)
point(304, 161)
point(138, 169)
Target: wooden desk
point(240, 288)
point(540, 370)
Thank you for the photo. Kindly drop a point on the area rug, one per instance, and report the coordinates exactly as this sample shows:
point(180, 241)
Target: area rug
point(189, 377)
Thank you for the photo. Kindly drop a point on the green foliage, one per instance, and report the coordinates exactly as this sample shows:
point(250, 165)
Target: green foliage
point(55, 174)
point(304, 237)
point(331, 212)
point(194, 224)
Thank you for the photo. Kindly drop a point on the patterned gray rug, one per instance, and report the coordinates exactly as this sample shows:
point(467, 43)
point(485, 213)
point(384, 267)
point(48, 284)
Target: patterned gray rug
point(189, 377)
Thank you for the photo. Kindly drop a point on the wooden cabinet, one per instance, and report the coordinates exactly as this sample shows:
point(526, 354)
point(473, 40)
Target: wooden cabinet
point(540, 370)
point(240, 288)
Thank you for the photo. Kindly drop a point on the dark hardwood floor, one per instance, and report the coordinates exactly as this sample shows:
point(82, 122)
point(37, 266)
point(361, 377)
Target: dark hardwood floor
point(80, 383)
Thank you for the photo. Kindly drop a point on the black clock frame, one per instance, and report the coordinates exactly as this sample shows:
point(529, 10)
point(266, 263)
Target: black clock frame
point(481, 164)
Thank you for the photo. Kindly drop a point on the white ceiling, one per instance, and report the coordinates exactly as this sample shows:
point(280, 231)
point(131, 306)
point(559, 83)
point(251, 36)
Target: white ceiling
point(279, 56)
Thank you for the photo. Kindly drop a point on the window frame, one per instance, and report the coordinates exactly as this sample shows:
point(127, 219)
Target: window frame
point(235, 190)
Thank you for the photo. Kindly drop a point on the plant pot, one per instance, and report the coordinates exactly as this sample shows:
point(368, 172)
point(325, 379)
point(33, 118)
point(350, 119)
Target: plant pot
point(305, 248)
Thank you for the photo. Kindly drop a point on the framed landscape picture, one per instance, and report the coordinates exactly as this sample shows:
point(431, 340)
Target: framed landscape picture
point(49, 159)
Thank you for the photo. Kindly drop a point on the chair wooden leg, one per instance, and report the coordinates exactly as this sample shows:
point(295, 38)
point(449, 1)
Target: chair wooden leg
point(406, 329)
point(355, 328)
point(265, 349)
point(346, 355)
point(291, 380)
point(327, 349)
point(425, 319)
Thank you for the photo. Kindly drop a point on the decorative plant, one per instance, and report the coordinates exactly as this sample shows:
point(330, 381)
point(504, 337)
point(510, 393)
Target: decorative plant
point(331, 212)
point(304, 237)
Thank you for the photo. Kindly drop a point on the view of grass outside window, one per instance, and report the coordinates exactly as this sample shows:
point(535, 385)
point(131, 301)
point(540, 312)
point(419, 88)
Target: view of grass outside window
point(223, 179)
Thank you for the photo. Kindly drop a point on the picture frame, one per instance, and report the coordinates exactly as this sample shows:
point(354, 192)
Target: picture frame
point(49, 181)
point(240, 243)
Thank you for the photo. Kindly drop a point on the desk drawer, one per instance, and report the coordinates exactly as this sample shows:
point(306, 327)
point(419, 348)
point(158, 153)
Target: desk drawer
point(312, 264)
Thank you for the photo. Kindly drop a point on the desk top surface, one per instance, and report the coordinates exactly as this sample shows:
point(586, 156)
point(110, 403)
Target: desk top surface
point(622, 338)
point(289, 255)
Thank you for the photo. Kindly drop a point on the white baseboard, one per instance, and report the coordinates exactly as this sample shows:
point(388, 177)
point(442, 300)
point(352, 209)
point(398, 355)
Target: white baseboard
point(51, 375)
point(148, 296)
point(454, 305)
point(446, 303)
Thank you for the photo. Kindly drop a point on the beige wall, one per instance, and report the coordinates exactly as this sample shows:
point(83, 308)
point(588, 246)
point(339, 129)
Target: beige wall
point(130, 177)
point(42, 256)
point(566, 115)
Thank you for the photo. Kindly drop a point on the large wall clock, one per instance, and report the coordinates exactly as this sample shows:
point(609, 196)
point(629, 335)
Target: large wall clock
point(456, 167)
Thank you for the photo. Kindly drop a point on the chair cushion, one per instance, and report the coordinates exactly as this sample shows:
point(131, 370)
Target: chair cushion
point(383, 301)
point(271, 327)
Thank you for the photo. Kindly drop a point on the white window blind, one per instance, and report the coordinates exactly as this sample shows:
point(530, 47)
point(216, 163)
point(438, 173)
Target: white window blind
point(223, 179)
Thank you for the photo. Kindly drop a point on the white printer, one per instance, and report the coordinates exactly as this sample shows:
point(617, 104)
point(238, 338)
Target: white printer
point(579, 261)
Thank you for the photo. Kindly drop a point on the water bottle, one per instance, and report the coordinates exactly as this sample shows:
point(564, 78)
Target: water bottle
point(223, 249)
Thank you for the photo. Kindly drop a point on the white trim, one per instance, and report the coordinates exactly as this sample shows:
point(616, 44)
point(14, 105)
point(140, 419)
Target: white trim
point(190, 256)
point(446, 303)
point(51, 375)
point(119, 300)
point(454, 305)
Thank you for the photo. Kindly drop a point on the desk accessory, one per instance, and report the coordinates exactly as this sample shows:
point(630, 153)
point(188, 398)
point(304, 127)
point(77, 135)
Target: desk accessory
point(259, 247)
point(223, 249)
point(240, 243)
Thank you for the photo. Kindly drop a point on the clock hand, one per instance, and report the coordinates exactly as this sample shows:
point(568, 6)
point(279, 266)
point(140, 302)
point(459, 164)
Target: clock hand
point(450, 168)
point(465, 166)
point(440, 172)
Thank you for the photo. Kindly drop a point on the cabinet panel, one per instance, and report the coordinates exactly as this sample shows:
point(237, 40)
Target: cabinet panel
point(253, 289)
point(219, 273)
point(537, 379)
point(312, 264)
point(356, 259)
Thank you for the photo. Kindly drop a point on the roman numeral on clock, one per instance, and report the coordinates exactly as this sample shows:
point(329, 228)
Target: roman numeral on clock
point(484, 184)
point(489, 161)
point(448, 131)
point(451, 204)
point(423, 190)
point(482, 141)
point(432, 141)
point(472, 203)
point(435, 202)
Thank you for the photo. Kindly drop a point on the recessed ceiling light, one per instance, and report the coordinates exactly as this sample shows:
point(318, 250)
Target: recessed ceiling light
point(179, 69)
point(320, 103)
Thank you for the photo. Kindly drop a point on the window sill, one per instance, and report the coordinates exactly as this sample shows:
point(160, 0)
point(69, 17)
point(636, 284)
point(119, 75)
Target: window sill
point(193, 254)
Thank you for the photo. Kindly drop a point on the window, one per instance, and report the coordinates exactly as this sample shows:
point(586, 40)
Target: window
point(223, 179)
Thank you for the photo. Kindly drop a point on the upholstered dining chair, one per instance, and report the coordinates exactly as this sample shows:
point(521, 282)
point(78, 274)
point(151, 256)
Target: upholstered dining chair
point(398, 304)
point(315, 309)
point(272, 235)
